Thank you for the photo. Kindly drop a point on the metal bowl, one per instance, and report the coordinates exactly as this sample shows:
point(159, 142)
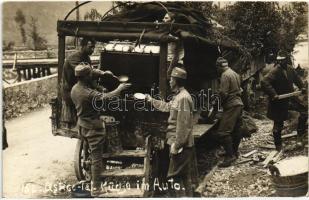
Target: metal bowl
point(139, 96)
point(123, 79)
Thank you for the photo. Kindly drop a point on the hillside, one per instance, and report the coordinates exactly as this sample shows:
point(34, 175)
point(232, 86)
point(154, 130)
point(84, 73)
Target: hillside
point(47, 14)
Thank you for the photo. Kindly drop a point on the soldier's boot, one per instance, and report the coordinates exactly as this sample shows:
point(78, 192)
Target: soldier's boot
point(97, 189)
point(96, 170)
point(223, 154)
point(229, 157)
point(277, 140)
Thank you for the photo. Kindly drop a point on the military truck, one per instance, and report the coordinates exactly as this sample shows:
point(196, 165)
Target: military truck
point(135, 43)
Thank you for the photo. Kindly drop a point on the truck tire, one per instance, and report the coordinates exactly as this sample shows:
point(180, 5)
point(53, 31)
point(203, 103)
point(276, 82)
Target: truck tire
point(82, 162)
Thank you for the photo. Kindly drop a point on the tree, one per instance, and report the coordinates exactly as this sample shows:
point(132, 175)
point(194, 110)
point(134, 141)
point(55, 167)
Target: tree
point(301, 16)
point(206, 8)
point(38, 42)
point(261, 27)
point(92, 15)
point(9, 46)
point(294, 23)
point(264, 27)
point(255, 24)
point(20, 19)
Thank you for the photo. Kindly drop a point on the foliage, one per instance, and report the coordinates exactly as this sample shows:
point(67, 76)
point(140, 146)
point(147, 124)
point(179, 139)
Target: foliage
point(206, 7)
point(294, 23)
point(265, 27)
point(9, 46)
point(255, 25)
point(262, 27)
point(20, 19)
point(38, 42)
point(92, 15)
point(301, 17)
point(122, 6)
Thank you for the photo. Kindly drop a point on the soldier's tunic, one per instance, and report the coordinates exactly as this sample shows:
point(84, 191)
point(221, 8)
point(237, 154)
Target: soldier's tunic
point(89, 124)
point(68, 114)
point(231, 102)
point(280, 81)
point(179, 131)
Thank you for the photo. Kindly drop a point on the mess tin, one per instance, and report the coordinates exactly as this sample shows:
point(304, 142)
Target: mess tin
point(139, 96)
point(123, 78)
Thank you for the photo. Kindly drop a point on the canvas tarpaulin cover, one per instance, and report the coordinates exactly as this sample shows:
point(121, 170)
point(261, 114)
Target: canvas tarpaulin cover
point(203, 44)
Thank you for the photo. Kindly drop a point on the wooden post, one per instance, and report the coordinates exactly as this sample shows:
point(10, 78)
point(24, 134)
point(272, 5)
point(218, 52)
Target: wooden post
point(29, 74)
point(33, 72)
point(18, 75)
point(77, 19)
point(39, 72)
point(48, 71)
point(61, 57)
point(25, 74)
point(43, 71)
point(163, 70)
point(15, 61)
point(147, 164)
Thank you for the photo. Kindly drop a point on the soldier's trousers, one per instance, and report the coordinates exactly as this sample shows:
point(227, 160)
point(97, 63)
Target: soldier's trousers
point(95, 139)
point(228, 129)
point(68, 114)
point(296, 105)
point(180, 169)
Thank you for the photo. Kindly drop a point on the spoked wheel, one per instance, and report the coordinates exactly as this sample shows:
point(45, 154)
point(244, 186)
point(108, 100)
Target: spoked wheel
point(82, 162)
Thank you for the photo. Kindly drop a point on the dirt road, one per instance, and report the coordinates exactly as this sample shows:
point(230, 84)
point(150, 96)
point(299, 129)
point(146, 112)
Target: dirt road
point(36, 161)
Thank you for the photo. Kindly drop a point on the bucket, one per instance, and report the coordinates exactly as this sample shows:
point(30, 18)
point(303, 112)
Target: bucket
point(290, 176)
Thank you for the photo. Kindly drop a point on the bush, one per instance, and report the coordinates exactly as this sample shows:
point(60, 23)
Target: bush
point(9, 46)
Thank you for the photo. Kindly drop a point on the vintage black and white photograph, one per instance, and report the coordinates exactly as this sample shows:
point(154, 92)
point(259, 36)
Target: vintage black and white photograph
point(154, 99)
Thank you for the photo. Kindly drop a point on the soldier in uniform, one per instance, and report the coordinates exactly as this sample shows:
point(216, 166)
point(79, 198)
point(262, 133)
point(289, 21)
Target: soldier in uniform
point(90, 126)
point(68, 115)
point(175, 55)
point(229, 124)
point(279, 81)
point(179, 131)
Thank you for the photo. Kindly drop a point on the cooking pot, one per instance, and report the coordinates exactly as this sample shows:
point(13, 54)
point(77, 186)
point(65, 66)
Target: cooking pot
point(290, 176)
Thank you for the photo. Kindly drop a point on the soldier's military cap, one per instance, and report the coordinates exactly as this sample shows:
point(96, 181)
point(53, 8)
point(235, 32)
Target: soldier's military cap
point(82, 69)
point(221, 62)
point(179, 73)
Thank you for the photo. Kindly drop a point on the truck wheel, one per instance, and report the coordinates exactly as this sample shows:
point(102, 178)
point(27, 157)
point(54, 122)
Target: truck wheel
point(82, 162)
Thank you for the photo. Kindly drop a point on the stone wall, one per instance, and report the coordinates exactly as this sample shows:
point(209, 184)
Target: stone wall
point(23, 97)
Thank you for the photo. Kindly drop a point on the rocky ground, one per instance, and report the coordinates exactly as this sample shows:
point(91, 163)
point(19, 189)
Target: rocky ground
point(39, 165)
point(250, 178)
